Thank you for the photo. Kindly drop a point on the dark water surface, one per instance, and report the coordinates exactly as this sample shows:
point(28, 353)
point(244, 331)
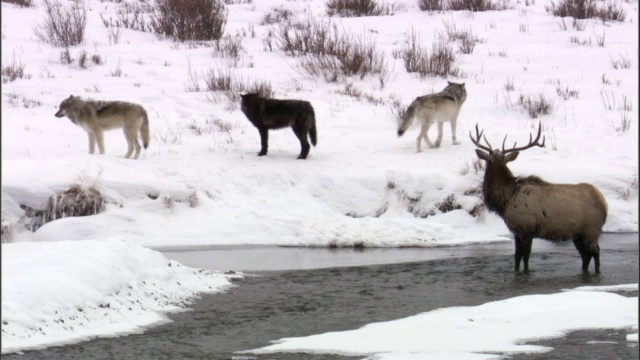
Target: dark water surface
point(269, 305)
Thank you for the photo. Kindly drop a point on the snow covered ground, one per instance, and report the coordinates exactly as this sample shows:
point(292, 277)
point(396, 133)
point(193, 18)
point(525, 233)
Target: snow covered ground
point(201, 183)
point(61, 292)
point(477, 332)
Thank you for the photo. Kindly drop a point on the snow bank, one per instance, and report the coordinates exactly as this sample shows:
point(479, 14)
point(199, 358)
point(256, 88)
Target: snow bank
point(484, 331)
point(67, 291)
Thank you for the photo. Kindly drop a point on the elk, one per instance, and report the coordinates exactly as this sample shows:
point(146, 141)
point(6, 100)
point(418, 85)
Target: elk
point(532, 207)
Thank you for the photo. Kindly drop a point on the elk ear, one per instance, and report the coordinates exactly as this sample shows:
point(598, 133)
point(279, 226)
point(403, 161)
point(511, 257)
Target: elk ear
point(512, 156)
point(483, 155)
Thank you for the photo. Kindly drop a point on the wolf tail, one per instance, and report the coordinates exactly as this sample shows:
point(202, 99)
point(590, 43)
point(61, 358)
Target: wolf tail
point(407, 119)
point(313, 134)
point(144, 129)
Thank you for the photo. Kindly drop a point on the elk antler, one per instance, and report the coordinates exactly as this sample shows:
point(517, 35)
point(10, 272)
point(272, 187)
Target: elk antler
point(531, 143)
point(476, 141)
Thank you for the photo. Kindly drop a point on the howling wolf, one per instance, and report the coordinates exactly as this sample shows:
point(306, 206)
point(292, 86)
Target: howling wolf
point(267, 114)
point(97, 116)
point(439, 107)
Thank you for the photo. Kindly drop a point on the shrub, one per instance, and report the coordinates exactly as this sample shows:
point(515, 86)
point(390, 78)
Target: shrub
point(231, 85)
point(83, 60)
point(327, 52)
point(65, 57)
point(440, 62)
point(14, 71)
point(464, 37)
point(229, 47)
point(356, 8)
point(113, 34)
point(16, 100)
point(63, 26)
point(578, 9)
point(612, 12)
point(566, 93)
point(76, 201)
point(21, 3)
point(587, 9)
point(621, 62)
point(477, 5)
point(307, 36)
point(189, 20)
point(276, 15)
point(354, 57)
point(96, 59)
point(132, 16)
point(432, 5)
point(536, 105)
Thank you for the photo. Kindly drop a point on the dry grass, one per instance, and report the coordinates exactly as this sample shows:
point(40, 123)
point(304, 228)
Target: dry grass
point(76, 201)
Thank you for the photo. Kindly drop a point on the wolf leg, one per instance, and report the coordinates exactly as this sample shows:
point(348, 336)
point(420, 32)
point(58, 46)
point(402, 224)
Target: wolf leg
point(439, 138)
point(301, 133)
point(100, 140)
point(133, 139)
point(127, 136)
point(92, 143)
point(264, 141)
point(424, 130)
point(136, 144)
point(454, 122)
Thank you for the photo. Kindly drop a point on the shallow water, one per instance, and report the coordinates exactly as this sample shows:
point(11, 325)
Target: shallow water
point(331, 294)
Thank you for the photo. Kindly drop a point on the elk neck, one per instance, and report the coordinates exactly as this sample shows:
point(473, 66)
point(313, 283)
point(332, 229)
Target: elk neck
point(499, 187)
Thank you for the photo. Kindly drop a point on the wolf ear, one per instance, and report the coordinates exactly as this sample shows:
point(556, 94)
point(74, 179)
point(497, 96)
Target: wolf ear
point(70, 96)
point(462, 84)
point(449, 82)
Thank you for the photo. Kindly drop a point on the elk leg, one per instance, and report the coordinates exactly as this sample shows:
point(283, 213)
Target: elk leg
point(593, 251)
point(584, 253)
point(526, 251)
point(518, 255)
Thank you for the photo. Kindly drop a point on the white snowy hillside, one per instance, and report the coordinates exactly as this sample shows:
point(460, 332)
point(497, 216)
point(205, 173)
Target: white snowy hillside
point(200, 181)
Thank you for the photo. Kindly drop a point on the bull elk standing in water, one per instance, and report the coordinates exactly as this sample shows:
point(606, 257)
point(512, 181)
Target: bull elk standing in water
point(532, 207)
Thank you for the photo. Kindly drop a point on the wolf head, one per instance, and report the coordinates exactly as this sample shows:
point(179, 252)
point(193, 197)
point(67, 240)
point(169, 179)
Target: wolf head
point(248, 100)
point(457, 90)
point(65, 105)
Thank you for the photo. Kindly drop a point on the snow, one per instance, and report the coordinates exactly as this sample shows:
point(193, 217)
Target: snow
point(60, 292)
point(485, 331)
point(354, 189)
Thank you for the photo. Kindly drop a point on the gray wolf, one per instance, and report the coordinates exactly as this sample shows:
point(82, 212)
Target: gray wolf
point(266, 114)
point(95, 117)
point(440, 108)
point(532, 207)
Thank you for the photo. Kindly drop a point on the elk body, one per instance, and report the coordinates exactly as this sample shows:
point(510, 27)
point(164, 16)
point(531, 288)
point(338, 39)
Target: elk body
point(532, 207)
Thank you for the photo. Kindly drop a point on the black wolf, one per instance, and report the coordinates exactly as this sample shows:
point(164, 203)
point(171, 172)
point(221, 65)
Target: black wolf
point(267, 114)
